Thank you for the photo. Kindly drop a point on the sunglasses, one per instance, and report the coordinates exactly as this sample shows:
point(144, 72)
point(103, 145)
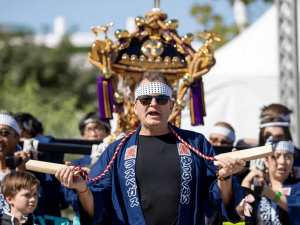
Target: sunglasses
point(160, 99)
point(5, 132)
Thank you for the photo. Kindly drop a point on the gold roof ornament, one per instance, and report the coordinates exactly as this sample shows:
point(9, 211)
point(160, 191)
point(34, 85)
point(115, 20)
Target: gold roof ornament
point(153, 46)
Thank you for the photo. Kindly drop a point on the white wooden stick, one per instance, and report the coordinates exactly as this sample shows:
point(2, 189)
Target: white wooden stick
point(247, 154)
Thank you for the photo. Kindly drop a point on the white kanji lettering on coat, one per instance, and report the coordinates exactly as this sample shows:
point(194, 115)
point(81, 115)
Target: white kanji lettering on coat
point(130, 156)
point(132, 191)
point(129, 163)
point(187, 177)
point(134, 202)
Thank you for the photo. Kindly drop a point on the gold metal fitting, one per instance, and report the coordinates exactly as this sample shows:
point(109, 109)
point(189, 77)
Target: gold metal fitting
point(118, 97)
point(125, 57)
point(142, 59)
point(121, 34)
point(187, 78)
point(172, 24)
point(187, 38)
point(139, 21)
point(180, 104)
point(133, 58)
point(106, 73)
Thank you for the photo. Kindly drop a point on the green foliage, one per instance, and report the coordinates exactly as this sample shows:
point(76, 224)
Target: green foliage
point(214, 23)
point(60, 120)
point(41, 81)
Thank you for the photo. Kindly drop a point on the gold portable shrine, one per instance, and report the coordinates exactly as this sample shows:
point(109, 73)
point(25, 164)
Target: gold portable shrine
point(153, 46)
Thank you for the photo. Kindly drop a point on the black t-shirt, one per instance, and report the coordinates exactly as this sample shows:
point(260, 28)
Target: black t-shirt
point(158, 175)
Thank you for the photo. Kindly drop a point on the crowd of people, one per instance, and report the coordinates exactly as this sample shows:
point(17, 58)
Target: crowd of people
point(156, 177)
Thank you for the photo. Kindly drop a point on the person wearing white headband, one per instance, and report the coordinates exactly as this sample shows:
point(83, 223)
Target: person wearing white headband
point(222, 134)
point(276, 110)
point(280, 201)
point(9, 134)
point(155, 178)
point(9, 139)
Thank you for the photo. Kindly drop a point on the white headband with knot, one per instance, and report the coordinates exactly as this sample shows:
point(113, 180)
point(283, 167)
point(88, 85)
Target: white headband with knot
point(285, 117)
point(7, 120)
point(153, 88)
point(223, 131)
point(281, 145)
point(274, 124)
point(92, 120)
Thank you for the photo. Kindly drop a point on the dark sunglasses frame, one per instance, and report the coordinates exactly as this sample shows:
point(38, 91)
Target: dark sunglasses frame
point(6, 132)
point(160, 99)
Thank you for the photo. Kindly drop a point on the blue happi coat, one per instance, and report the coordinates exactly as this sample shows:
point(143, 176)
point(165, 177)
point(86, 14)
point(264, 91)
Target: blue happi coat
point(116, 199)
point(269, 210)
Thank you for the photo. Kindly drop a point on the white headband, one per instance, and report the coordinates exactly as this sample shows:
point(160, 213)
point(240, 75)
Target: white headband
point(281, 145)
point(274, 124)
point(285, 117)
point(223, 131)
point(153, 88)
point(7, 120)
point(91, 120)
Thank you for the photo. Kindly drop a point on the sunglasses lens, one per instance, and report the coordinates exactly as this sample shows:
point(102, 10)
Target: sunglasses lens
point(145, 100)
point(162, 99)
point(4, 133)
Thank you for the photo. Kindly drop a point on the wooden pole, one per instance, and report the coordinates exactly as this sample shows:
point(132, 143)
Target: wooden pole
point(248, 154)
point(45, 167)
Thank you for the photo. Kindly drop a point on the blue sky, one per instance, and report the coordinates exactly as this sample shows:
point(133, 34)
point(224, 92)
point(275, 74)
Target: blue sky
point(87, 13)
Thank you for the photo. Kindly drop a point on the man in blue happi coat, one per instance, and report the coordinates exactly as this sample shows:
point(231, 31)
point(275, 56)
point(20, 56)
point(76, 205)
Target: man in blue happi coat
point(155, 178)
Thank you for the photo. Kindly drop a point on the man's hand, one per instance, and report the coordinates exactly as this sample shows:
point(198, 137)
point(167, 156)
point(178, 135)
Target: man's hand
point(66, 177)
point(87, 170)
point(231, 166)
point(25, 157)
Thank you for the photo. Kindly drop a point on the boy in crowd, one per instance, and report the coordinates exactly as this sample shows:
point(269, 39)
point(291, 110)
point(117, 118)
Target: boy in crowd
point(9, 138)
point(21, 190)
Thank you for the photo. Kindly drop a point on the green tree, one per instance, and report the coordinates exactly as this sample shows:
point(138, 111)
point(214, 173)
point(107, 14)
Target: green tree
point(40, 80)
point(214, 23)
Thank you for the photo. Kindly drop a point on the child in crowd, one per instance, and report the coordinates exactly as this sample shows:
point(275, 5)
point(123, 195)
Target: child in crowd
point(21, 190)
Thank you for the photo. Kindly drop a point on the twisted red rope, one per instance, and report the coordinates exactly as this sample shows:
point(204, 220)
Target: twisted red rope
point(191, 147)
point(110, 163)
point(78, 168)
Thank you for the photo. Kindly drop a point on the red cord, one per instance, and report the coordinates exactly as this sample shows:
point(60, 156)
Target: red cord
point(124, 139)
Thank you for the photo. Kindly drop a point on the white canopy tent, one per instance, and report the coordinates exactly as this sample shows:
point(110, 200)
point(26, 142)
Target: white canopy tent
point(244, 79)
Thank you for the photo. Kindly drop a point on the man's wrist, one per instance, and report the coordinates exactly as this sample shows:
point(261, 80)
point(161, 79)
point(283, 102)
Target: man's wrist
point(83, 190)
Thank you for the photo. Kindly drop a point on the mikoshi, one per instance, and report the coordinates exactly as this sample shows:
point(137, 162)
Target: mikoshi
point(154, 46)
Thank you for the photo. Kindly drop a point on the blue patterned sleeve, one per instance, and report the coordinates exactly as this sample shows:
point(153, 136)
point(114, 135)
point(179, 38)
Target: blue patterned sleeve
point(293, 203)
point(214, 193)
point(100, 189)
